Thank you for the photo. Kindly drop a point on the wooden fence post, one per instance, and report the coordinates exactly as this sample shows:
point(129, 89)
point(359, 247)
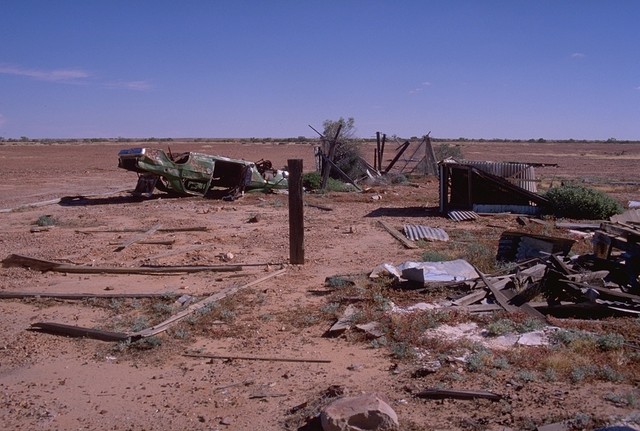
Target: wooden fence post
point(296, 216)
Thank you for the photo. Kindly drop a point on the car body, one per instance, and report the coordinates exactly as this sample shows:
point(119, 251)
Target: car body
point(198, 174)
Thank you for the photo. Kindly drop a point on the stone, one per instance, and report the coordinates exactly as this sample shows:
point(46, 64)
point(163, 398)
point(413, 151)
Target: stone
point(367, 412)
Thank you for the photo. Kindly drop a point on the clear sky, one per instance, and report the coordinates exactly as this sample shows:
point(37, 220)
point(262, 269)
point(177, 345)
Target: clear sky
point(549, 69)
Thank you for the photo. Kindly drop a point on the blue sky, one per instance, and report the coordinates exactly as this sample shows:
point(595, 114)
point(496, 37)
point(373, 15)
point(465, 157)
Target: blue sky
point(477, 69)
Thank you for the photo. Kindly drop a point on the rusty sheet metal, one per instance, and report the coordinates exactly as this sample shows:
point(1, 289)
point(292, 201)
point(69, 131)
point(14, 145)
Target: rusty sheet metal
point(502, 208)
point(416, 232)
point(462, 215)
point(520, 174)
point(515, 246)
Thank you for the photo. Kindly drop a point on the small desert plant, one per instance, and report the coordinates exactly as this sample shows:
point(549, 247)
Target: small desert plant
point(312, 180)
point(526, 376)
point(500, 327)
point(578, 202)
point(629, 399)
point(445, 150)
point(334, 185)
point(45, 220)
point(402, 350)
point(478, 361)
point(481, 256)
point(434, 256)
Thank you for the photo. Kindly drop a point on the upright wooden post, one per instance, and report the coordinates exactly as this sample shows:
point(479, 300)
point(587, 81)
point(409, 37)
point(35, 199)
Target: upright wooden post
point(296, 216)
point(377, 163)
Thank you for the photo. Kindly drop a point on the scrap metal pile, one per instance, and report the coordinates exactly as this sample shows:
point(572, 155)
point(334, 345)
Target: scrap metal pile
point(596, 285)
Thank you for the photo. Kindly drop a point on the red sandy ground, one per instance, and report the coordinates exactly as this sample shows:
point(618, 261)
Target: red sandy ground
point(52, 382)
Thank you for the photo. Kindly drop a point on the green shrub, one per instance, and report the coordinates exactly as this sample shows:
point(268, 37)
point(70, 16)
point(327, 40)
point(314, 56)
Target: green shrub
point(434, 256)
point(312, 180)
point(578, 202)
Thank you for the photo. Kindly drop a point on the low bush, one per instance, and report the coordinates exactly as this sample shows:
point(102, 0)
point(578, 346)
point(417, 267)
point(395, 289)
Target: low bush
point(312, 180)
point(445, 150)
point(578, 202)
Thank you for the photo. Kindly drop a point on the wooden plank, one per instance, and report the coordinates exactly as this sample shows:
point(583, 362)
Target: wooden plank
point(175, 229)
point(500, 297)
point(74, 296)
point(396, 234)
point(320, 207)
point(476, 308)
point(150, 242)
point(163, 326)
point(77, 331)
point(256, 358)
point(459, 394)
point(47, 265)
point(610, 293)
point(140, 237)
point(469, 299)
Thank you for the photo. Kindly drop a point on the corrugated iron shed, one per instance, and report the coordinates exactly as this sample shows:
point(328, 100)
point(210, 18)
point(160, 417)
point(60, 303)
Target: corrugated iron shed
point(464, 186)
point(416, 232)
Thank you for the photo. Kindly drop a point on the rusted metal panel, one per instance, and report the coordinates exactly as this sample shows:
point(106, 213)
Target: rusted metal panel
point(462, 215)
point(514, 209)
point(519, 246)
point(520, 174)
point(416, 232)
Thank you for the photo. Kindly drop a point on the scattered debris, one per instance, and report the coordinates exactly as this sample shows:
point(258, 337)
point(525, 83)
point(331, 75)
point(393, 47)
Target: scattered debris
point(138, 238)
point(619, 245)
point(47, 265)
point(459, 394)
point(81, 296)
point(227, 257)
point(396, 234)
point(178, 251)
point(462, 215)
point(416, 232)
point(630, 216)
point(76, 331)
point(430, 273)
point(174, 229)
point(255, 358)
point(344, 322)
point(320, 207)
point(372, 329)
point(518, 246)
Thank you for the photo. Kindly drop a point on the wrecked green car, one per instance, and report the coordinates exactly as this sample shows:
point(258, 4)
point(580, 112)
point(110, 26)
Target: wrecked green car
point(197, 174)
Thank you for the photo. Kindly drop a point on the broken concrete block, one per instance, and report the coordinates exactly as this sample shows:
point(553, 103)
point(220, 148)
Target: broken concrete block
point(362, 413)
